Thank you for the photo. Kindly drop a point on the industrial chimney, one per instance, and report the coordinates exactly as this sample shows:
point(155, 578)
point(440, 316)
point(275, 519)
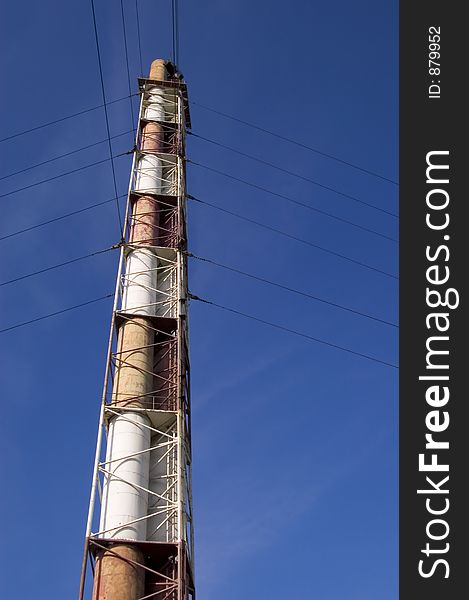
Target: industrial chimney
point(139, 535)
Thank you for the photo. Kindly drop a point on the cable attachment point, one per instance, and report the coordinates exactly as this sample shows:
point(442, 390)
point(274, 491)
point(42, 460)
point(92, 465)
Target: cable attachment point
point(119, 244)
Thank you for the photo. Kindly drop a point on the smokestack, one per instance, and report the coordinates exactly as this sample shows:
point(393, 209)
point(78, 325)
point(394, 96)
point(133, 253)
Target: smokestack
point(144, 545)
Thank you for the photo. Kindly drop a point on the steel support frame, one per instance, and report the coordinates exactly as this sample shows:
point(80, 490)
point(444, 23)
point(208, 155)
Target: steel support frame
point(168, 564)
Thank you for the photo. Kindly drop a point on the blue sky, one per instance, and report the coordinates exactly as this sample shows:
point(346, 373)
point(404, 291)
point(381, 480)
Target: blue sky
point(295, 444)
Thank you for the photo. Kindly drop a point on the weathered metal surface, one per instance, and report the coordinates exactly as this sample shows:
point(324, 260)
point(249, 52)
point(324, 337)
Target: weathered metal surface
point(116, 578)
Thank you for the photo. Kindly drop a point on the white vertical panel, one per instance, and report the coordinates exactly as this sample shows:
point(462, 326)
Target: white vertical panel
point(167, 292)
point(149, 176)
point(140, 282)
point(123, 501)
point(154, 110)
point(163, 468)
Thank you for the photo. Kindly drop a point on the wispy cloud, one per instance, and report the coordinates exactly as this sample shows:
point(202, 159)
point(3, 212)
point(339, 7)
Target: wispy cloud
point(238, 376)
point(245, 520)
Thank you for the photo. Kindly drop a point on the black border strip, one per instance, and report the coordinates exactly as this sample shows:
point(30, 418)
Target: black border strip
point(433, 132)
